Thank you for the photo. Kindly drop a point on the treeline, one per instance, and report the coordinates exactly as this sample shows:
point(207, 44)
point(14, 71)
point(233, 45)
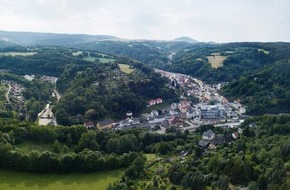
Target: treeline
point(6, 46)
point(267, 91)
point(146, 52)
point(47, 61)
point(91, 93)
point(75, 148)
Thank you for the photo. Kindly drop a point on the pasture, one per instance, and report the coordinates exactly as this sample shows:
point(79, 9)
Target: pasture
point(216, 61)
point(74, 181)
point(126, 68)
point(17, 53)
point(264, 51)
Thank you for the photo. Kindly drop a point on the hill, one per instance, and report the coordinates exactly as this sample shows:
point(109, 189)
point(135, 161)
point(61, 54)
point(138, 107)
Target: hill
point(226, 62)
point(108, 91)
point(185, 39)
point(34, 38)
point(266, 91)
point(6, 46)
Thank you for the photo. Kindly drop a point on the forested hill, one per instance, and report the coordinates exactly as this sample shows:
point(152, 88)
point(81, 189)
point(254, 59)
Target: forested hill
point(152, 53)
point(36, 38)
point(267, 91)
point(225, 62)
point(44, 61)
point(8, 46)
point(108, 91)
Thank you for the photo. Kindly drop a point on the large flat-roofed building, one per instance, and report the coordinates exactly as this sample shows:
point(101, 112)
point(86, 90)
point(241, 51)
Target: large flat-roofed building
point(212, 112)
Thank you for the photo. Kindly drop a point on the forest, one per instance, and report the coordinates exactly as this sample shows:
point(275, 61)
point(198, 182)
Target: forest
point(266, 91)
point(105, 91)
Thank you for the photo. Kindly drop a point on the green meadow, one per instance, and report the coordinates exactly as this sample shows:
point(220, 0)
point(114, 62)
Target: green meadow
point(48, 181)
point(17, 53)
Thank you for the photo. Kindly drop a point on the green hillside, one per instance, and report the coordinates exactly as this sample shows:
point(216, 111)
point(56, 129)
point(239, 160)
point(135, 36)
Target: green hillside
point(108, 90)
point(267, 91)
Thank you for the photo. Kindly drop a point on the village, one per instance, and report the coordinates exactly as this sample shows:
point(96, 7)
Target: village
point(14, 94)
point(210, 109)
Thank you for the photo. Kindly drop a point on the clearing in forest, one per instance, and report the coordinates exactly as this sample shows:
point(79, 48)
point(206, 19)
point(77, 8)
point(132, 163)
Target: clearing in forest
point(17, 53)
point(126, 68)
point(216, 61)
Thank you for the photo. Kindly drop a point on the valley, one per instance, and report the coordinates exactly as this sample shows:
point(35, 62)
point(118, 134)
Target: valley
point(121, 114)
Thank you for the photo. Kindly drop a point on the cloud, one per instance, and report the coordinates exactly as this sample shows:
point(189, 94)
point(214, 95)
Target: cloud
point(206, 20)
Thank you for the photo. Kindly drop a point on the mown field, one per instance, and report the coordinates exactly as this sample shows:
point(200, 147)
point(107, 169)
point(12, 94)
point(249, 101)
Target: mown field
point(126, 68)
point(14, 180)
point(216, 61)
point(17, 53)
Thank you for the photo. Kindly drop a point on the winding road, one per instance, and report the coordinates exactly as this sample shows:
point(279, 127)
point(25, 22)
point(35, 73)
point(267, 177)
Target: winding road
point(7, 93)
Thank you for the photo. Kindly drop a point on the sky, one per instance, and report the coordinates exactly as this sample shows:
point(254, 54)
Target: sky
point(202, 20)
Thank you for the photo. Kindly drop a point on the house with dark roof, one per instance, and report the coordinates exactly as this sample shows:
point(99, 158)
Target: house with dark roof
point(203, 143)
point(208, 135)
point(235, 135)
point(105, 124)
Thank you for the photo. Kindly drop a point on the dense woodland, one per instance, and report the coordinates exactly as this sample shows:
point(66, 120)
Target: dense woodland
point(73, 148)
point(47, 61)
point(267, 91)
point(105, 91)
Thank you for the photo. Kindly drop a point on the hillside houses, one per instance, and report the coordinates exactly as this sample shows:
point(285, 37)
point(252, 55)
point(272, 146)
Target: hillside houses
point(155, 102)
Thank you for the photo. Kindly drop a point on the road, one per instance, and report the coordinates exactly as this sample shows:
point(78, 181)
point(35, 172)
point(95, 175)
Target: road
point(46, 116)
point(58, 95)
point(7, 93)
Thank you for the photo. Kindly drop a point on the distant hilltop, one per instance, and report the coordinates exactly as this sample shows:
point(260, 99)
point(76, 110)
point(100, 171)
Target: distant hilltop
point(36, 38)
point(185, 39)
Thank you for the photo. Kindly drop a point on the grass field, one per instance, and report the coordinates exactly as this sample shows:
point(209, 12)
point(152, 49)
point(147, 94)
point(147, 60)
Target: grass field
point(77, 53)
point(102, 60)
point(126, 68)
point(216, 61)
point(17, 53)
point(14, 180)
point(264, 51)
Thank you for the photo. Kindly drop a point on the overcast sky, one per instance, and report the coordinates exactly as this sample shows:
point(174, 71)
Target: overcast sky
point(203, 20)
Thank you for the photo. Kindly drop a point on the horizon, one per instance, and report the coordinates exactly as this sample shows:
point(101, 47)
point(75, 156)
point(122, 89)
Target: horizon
point(204, 21)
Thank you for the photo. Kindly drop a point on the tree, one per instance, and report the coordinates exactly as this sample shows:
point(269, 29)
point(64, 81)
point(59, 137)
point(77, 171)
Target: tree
point(62, 117)
point(162, 147)
point(56, 147)
point(69, 141)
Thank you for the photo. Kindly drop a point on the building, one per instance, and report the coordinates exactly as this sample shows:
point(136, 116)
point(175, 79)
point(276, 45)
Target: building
point(208, 135)
point(212, 112)
point(89, 124)
point(203, 143)
point(154, 102)
point(128, 122)
point(105, 124)
point(235, 135)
